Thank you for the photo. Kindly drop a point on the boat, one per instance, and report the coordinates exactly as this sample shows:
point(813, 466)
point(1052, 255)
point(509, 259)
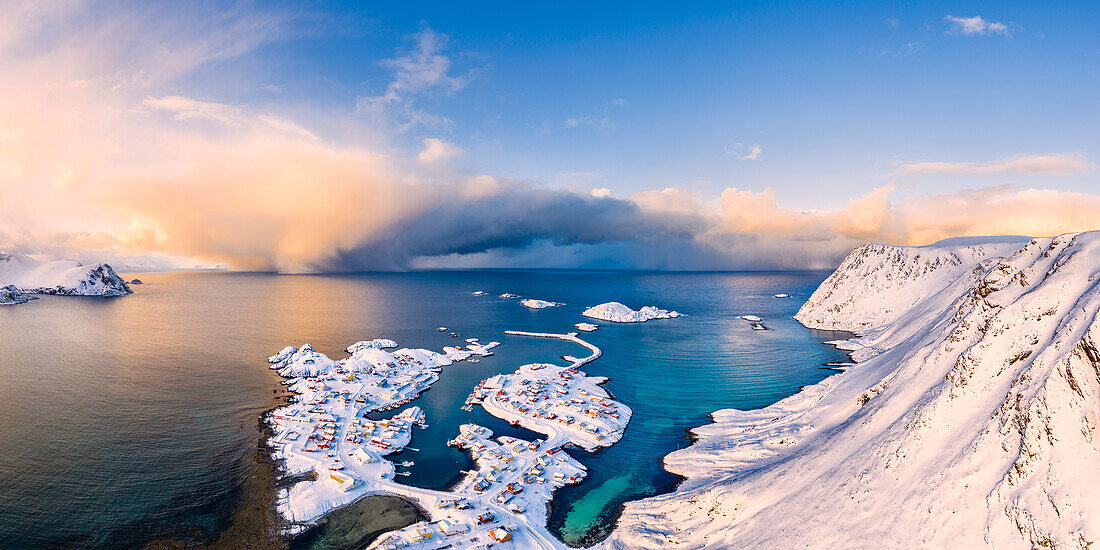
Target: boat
point(441, 329)
point(782, 295)
point(758, 326)
point(473, 360)
point(454, 335)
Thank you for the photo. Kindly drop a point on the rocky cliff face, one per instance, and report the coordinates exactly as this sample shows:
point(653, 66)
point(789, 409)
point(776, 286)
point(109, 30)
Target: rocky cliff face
point(971, 420)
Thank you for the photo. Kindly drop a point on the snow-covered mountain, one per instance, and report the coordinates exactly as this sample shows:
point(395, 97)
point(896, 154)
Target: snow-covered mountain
point(972, 419)
point(66, 277)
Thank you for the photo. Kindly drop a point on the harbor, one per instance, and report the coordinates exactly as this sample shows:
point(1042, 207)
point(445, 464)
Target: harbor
point(328, 430)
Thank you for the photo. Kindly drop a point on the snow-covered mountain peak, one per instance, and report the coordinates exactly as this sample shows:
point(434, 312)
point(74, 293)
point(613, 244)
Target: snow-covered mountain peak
point(66, 277)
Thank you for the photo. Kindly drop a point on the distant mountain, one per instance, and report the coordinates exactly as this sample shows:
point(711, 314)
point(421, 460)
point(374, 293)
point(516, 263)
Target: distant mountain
point(971, 419)
point(63, 277)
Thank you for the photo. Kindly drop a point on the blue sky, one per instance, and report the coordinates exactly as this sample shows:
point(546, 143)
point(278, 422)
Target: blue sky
point(337, 136)
point(661, 95)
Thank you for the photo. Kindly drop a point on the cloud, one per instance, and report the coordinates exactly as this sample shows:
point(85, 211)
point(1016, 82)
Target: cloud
point(436, 150)
point(600, 192)
point(1036, 165)
point(919, 220)
point(976, 26)
point(515, 216)
point(601, 122)
point(417, 73)
point(184, 108)
point(738, 151)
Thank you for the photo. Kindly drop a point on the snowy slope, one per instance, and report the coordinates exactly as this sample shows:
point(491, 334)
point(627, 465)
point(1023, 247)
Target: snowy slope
point(65, 277)
point(971, 421)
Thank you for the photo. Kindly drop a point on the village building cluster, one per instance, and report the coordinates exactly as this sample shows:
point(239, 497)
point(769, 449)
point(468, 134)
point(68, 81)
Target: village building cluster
point(553, 400)
point(326, 437)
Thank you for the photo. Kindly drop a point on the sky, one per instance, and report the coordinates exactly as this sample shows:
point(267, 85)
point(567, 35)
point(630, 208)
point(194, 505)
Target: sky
point(316, 137)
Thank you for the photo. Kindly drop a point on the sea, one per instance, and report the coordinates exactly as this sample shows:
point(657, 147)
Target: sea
point(136, 419)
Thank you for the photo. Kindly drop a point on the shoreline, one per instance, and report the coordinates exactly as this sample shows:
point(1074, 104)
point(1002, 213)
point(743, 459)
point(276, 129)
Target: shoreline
point(692, 438)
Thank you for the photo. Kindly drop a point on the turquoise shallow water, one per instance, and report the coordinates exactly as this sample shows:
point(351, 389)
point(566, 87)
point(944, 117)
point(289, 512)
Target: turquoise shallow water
point(132, 419)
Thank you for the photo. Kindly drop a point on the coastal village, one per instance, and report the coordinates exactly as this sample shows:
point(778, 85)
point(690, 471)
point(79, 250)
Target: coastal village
point(561, 402)
point(335, 434)
point(337, 453)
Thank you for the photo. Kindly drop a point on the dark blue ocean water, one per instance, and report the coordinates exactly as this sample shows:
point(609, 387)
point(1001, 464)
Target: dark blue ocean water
point(125, 420)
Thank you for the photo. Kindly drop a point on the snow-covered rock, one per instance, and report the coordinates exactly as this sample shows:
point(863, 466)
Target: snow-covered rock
point(538, 304)
point(377, 343)
point(619, 313)
point(586, 327)
point(64, 277)
point(10, 294)
point(972, 419)
point(280, 359)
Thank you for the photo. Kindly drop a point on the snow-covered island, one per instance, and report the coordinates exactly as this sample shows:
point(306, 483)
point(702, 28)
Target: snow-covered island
point(619, 313)
point(504, 502)
point(563, 403)
point(538, 304)
point(11, 294)
point(970, 419)
point(62, 277)
point(325, 430)
point(586, 327)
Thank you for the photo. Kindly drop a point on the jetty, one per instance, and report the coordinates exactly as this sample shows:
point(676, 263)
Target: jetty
point(569, 337)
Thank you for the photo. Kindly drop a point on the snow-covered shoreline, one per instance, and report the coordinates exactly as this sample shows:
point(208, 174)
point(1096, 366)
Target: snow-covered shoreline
point(968, 419)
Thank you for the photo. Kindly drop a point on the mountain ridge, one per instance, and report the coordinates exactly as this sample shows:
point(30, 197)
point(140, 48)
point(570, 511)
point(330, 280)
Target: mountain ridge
point(971, 419)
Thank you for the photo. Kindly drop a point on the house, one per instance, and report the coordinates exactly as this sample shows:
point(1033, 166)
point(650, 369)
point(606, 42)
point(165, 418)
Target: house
point(345, 481)
point(500, 535)
point(363, 457)
point(451, 528)
point(418, 533)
